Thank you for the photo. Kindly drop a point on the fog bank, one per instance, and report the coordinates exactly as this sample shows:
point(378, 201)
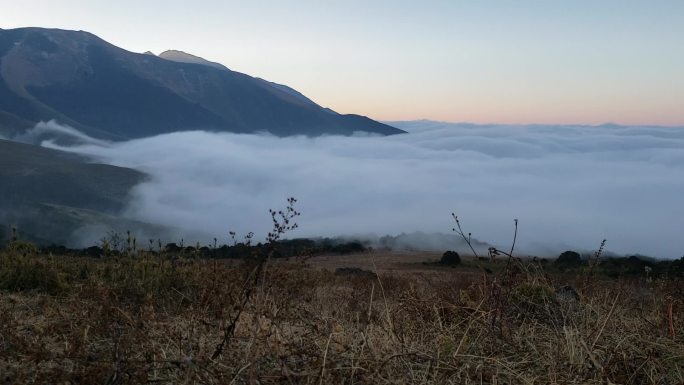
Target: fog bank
point(569, 186)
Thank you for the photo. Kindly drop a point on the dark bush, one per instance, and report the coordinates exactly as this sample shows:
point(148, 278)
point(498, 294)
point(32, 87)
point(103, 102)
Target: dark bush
point(93, 251)
point(633, 265)
point(450, 258)
point(172, 247)
point(348, 248)
point(569, 259)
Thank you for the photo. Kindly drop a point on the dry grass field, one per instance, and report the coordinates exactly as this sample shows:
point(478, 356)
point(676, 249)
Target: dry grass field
point(150, 319)
point(378, 261)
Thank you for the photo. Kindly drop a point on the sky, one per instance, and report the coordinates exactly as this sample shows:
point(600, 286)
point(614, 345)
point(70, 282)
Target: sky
point(513, 62)
point(569, 186)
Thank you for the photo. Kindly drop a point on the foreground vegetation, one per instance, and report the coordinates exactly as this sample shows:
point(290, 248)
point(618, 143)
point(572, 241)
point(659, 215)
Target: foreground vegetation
point(147, 318)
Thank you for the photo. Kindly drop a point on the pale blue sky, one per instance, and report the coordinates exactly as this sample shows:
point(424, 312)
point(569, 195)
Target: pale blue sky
point(485, 61)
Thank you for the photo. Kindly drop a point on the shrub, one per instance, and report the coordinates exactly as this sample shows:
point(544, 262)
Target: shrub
point(450, 258)
point(533, 294)
point(22, 247)
point(633, 265)
point(569, 259)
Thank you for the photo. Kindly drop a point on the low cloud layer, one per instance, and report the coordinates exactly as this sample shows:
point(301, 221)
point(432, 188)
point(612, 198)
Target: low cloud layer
point(569, 186)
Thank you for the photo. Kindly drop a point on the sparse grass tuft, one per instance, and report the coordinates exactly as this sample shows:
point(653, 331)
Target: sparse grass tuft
point(21, 270)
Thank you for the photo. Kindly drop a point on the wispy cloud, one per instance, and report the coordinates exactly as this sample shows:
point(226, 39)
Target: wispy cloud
point(52, 129)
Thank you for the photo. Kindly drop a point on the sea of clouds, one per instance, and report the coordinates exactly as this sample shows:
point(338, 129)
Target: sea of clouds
point(569, 186)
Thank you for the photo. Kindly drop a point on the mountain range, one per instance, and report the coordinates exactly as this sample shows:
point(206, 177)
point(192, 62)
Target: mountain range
point(80, 80)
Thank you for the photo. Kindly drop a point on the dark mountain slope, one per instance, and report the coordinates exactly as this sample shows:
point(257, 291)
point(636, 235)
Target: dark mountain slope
point(81, 80)
point(33, 174)
point(122, 103)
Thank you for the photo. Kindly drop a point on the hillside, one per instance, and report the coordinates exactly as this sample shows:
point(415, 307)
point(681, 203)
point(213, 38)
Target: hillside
point(51, 196)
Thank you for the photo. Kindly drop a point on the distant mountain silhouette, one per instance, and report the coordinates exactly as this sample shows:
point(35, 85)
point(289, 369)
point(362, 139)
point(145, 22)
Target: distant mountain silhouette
point(81, 80)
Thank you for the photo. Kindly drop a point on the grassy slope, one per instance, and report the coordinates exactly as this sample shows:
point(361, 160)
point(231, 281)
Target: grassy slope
point(43, 190)
point(36, 174)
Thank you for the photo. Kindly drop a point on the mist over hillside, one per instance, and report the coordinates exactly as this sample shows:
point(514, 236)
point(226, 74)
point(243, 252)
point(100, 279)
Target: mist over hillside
point(51, 196)
point(569, 186)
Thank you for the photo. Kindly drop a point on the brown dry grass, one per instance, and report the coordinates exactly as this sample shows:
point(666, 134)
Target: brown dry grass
point(381, 261)
point(149, 320)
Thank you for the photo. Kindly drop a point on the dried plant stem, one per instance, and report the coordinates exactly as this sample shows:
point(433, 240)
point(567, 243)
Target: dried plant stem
point(605, 322)
point(325, 357)
point(515, 236)
point(460, 232)
point(670, 319)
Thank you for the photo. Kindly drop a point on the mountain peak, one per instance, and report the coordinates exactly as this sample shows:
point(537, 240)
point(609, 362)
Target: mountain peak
point(184, 57)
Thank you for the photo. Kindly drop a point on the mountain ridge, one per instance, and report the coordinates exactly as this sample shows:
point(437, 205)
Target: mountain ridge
point(108, 92)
